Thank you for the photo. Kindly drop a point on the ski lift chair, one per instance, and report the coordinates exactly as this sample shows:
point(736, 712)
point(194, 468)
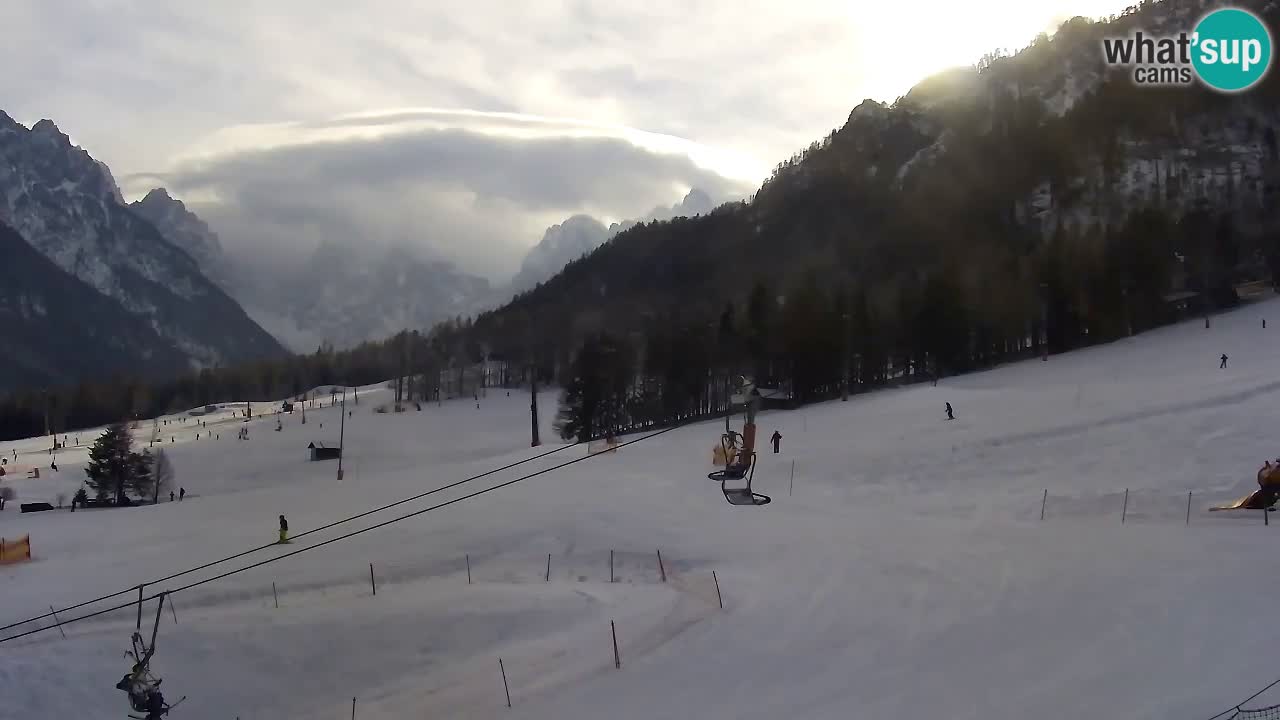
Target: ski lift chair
point(743, 465)
point(143, 689)
point(741, 468)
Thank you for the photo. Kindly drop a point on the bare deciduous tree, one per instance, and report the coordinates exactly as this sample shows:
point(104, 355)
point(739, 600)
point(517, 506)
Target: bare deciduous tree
point(161, 474)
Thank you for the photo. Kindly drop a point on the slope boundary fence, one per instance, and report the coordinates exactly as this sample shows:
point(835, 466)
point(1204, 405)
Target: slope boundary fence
point(1266, 713)
point(1237, 711)
point(261, 548)
point(140, 588)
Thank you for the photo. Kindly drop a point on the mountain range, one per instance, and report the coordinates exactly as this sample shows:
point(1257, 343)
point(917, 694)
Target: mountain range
point(1038, 182)
point(580, 234)
point(1040, 199)
point(1024, 167)
point(342, 296)
point(134, 284)
point(58, 330)
point(190, 304)
point(337, 296)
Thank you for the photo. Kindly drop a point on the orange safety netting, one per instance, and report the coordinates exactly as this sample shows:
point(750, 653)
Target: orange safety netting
point(13, 551)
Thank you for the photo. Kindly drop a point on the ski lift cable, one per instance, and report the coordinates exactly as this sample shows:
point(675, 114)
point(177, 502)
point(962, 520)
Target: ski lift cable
point(1237, 707)
point(336, 523)
point(342, 537)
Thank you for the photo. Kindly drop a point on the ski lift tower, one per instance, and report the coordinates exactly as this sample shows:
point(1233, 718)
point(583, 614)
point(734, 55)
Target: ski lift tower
point(1044, 321)
point(342, 431)
point(844, 357)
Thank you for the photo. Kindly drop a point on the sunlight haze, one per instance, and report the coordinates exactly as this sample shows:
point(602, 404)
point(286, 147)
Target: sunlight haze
point(535, 111)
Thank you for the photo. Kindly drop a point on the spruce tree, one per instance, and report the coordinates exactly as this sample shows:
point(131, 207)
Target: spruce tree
point(581, 398)
point(617, 373)
point(595, 399)
point(111, 464)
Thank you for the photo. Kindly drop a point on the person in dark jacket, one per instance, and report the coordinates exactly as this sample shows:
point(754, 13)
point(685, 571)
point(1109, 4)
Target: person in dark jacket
point(951, 415)
point(284, 530)
point(776, 440)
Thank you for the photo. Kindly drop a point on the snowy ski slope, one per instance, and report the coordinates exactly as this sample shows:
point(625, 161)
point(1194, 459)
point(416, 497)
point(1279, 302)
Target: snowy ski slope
point(908, 575)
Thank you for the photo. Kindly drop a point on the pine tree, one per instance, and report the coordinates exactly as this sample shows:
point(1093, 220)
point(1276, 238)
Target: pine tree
point(581, 398)
point(114, 469)
point(760, 306)
point(596, 395)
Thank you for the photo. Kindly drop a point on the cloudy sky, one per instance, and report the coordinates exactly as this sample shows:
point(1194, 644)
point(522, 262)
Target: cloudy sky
point(469, 127)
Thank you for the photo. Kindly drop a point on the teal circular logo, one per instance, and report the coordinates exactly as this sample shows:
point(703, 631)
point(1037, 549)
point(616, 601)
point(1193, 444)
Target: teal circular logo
point(1231, 49)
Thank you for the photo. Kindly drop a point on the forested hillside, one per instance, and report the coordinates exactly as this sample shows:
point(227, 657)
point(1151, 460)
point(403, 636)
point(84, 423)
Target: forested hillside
point(1038, 196)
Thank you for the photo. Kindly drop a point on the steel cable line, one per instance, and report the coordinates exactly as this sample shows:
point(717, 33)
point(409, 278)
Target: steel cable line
point(1237, 707)
point(340, 537)
point(300, 535)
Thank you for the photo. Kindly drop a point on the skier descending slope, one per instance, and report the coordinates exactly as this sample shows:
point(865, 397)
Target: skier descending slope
point(144, 693)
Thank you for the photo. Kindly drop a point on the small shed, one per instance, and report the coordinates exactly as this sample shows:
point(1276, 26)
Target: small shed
point(776, 398)
point(320, 451)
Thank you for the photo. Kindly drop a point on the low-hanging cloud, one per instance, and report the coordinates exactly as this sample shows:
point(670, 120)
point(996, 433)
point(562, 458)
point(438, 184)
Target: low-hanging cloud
point(477, 189)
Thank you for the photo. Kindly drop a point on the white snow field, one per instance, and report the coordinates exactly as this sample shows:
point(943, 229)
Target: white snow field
point(908, 575)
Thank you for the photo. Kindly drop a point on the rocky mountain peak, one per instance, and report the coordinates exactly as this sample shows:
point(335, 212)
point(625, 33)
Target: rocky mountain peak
point(182, 228)
point(66, 205)
point(47, 128)
point(158, 196)
point(580, 234)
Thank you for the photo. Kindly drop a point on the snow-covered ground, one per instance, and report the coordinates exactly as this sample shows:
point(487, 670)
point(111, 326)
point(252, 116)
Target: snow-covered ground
point(907, 575)
point(22, 457)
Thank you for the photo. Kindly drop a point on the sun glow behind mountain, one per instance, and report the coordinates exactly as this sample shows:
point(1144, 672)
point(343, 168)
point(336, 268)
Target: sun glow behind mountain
point(915, 40)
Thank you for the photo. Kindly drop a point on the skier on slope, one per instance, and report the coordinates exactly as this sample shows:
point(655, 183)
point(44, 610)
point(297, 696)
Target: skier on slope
point(142, 687)
point(143, 696)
